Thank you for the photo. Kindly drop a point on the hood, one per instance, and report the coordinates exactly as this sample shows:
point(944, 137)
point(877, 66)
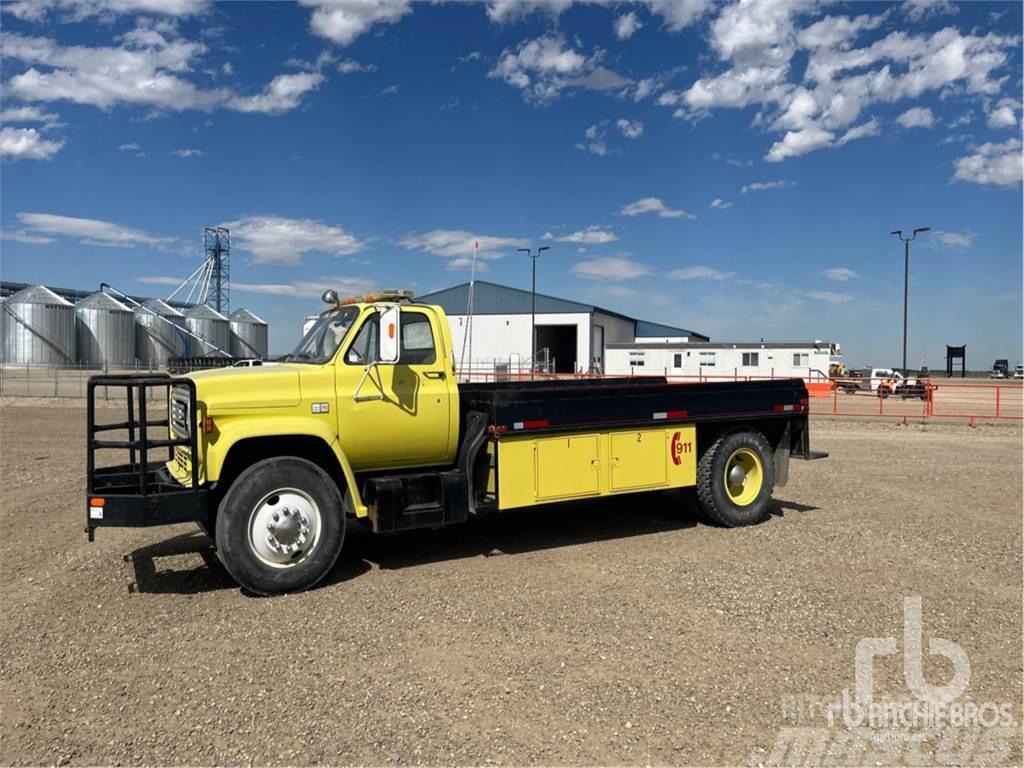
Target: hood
point(267, 386)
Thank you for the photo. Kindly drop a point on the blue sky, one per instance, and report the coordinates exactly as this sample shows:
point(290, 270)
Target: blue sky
point(734, 168)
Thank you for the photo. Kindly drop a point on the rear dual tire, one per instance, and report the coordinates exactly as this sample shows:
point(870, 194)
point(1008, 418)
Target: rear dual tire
point(735, 479)
point(280, 526)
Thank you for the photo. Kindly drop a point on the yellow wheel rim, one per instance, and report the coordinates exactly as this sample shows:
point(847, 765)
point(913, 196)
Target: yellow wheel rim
point(743, 476)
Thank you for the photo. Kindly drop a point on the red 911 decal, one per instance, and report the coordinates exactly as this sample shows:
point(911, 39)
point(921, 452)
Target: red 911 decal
point(677, 449)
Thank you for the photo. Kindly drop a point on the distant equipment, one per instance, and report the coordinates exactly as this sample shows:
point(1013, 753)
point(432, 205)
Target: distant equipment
point(213, 330)
point(210, 283)
point(956, 355)
point(1000, 369)
point(248, 335)
point(37, 328)
point(106, 331)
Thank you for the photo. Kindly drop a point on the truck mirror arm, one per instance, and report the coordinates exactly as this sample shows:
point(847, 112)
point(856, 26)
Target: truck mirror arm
point(366, 375)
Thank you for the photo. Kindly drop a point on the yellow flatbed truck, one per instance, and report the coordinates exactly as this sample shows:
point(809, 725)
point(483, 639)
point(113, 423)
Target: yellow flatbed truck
point(366, 422)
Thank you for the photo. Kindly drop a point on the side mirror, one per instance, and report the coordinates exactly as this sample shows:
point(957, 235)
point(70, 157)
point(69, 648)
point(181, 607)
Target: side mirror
point(390, 333)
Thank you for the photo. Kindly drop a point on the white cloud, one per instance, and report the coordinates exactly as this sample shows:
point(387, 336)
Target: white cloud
point(348, 66)
point(132, 147)
point(471, 56)
point(796, 143)
point(999, 164)
point(763, 186)
point(917, 117)
point(21, 236)
point(917, 10)
point(26, 144)
point(960, 241)
point(592, 235)
point(183, 153)
point(631, 129)
point(345, 286)
point(699, 273)
point(676, 14)
point(840, 274)
point(389, 90)
point(149, 68)
point(458, 245)
point(758, 42)
point(277, 240)
point(626, 26)
point(610, 268)
point(862, 131)
point(720, 203)
point(80, 10)
point(90, 231)
point(830, 297)
point(26, 115)
point(342, 21)
point(1004, 114)
point(541, 68)
point(281, 94)
point(654, 205)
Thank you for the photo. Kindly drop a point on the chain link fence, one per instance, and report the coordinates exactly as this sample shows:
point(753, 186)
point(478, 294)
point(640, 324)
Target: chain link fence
point(61, 381)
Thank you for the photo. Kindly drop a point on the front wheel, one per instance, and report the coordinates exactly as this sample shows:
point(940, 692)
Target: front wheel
point(280, 526)
point(735, 479)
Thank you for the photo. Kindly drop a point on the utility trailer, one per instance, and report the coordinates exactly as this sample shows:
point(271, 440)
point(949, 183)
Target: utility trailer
point(369, 423)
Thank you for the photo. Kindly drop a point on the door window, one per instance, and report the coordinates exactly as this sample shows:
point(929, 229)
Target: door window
point(417, 347)
point(417, 340)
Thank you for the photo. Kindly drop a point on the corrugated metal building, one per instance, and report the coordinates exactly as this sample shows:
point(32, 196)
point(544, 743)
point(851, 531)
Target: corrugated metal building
point(572, 336)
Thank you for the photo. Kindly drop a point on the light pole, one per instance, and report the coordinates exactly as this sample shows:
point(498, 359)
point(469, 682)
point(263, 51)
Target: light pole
point(533, 303)
point(906, 282)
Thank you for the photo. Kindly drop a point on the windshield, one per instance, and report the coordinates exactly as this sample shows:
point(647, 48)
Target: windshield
point(324, 338)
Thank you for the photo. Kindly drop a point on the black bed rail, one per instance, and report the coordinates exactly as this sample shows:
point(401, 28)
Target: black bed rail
point(137, 478)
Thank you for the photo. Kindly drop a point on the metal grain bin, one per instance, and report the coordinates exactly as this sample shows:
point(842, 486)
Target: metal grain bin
point(212, 327)
point(38, 328)
point(248, 335)
point(106, 331)
point(159, 333)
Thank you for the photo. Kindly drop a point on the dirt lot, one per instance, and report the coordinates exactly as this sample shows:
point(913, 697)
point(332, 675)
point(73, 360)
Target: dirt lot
point(625, 632)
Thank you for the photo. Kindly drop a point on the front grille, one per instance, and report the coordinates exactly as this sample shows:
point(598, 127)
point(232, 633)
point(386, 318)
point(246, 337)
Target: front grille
point(180, 418)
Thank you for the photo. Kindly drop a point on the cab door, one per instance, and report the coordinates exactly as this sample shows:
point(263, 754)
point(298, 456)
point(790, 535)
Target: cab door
point(395, 415)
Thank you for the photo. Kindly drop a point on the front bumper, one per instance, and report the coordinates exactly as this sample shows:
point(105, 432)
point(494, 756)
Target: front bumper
point(144, 492)
point(116, 500)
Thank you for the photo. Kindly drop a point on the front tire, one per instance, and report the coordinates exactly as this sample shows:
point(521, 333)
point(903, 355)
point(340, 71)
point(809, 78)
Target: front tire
point(280, 526)
point(735, 479)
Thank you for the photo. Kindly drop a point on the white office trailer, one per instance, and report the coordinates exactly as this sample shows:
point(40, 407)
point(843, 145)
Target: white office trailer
point(572, 337)
point(803, 359)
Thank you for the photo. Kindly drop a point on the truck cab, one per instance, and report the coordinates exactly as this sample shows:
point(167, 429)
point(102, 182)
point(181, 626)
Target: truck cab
point(366, 421)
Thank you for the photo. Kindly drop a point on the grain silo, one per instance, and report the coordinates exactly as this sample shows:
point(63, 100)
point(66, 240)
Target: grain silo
point(210, 326)
point(106, 331)
point(248, 335)
point(159, 333)
point(38, 328)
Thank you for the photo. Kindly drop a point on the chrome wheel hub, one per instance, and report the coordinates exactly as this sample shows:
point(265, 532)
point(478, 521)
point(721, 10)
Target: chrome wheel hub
point(284, 527)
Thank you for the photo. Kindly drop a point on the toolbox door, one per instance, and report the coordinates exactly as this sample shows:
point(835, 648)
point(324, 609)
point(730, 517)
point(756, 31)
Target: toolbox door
point(638, 459)
point(567, 467)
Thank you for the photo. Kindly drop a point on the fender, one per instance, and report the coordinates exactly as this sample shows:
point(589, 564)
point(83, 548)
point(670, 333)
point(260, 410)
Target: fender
point(229, 430)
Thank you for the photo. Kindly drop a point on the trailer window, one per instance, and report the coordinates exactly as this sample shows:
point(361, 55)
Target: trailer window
point(636, 359)
point(751, 359)
point(801, 359)
point(677, 360)
point(707, 359)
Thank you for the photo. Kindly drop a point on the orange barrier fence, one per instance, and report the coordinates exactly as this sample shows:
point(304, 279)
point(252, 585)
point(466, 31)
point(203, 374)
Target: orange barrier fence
point(946, 399)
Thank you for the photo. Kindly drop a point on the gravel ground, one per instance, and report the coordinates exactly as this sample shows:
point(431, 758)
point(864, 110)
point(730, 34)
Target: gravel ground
point(623, 632)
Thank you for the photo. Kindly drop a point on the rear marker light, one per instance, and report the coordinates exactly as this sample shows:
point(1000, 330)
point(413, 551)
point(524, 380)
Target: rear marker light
point(535, 424)
point(96, 508)
point(207, 425)
point(669, 415)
